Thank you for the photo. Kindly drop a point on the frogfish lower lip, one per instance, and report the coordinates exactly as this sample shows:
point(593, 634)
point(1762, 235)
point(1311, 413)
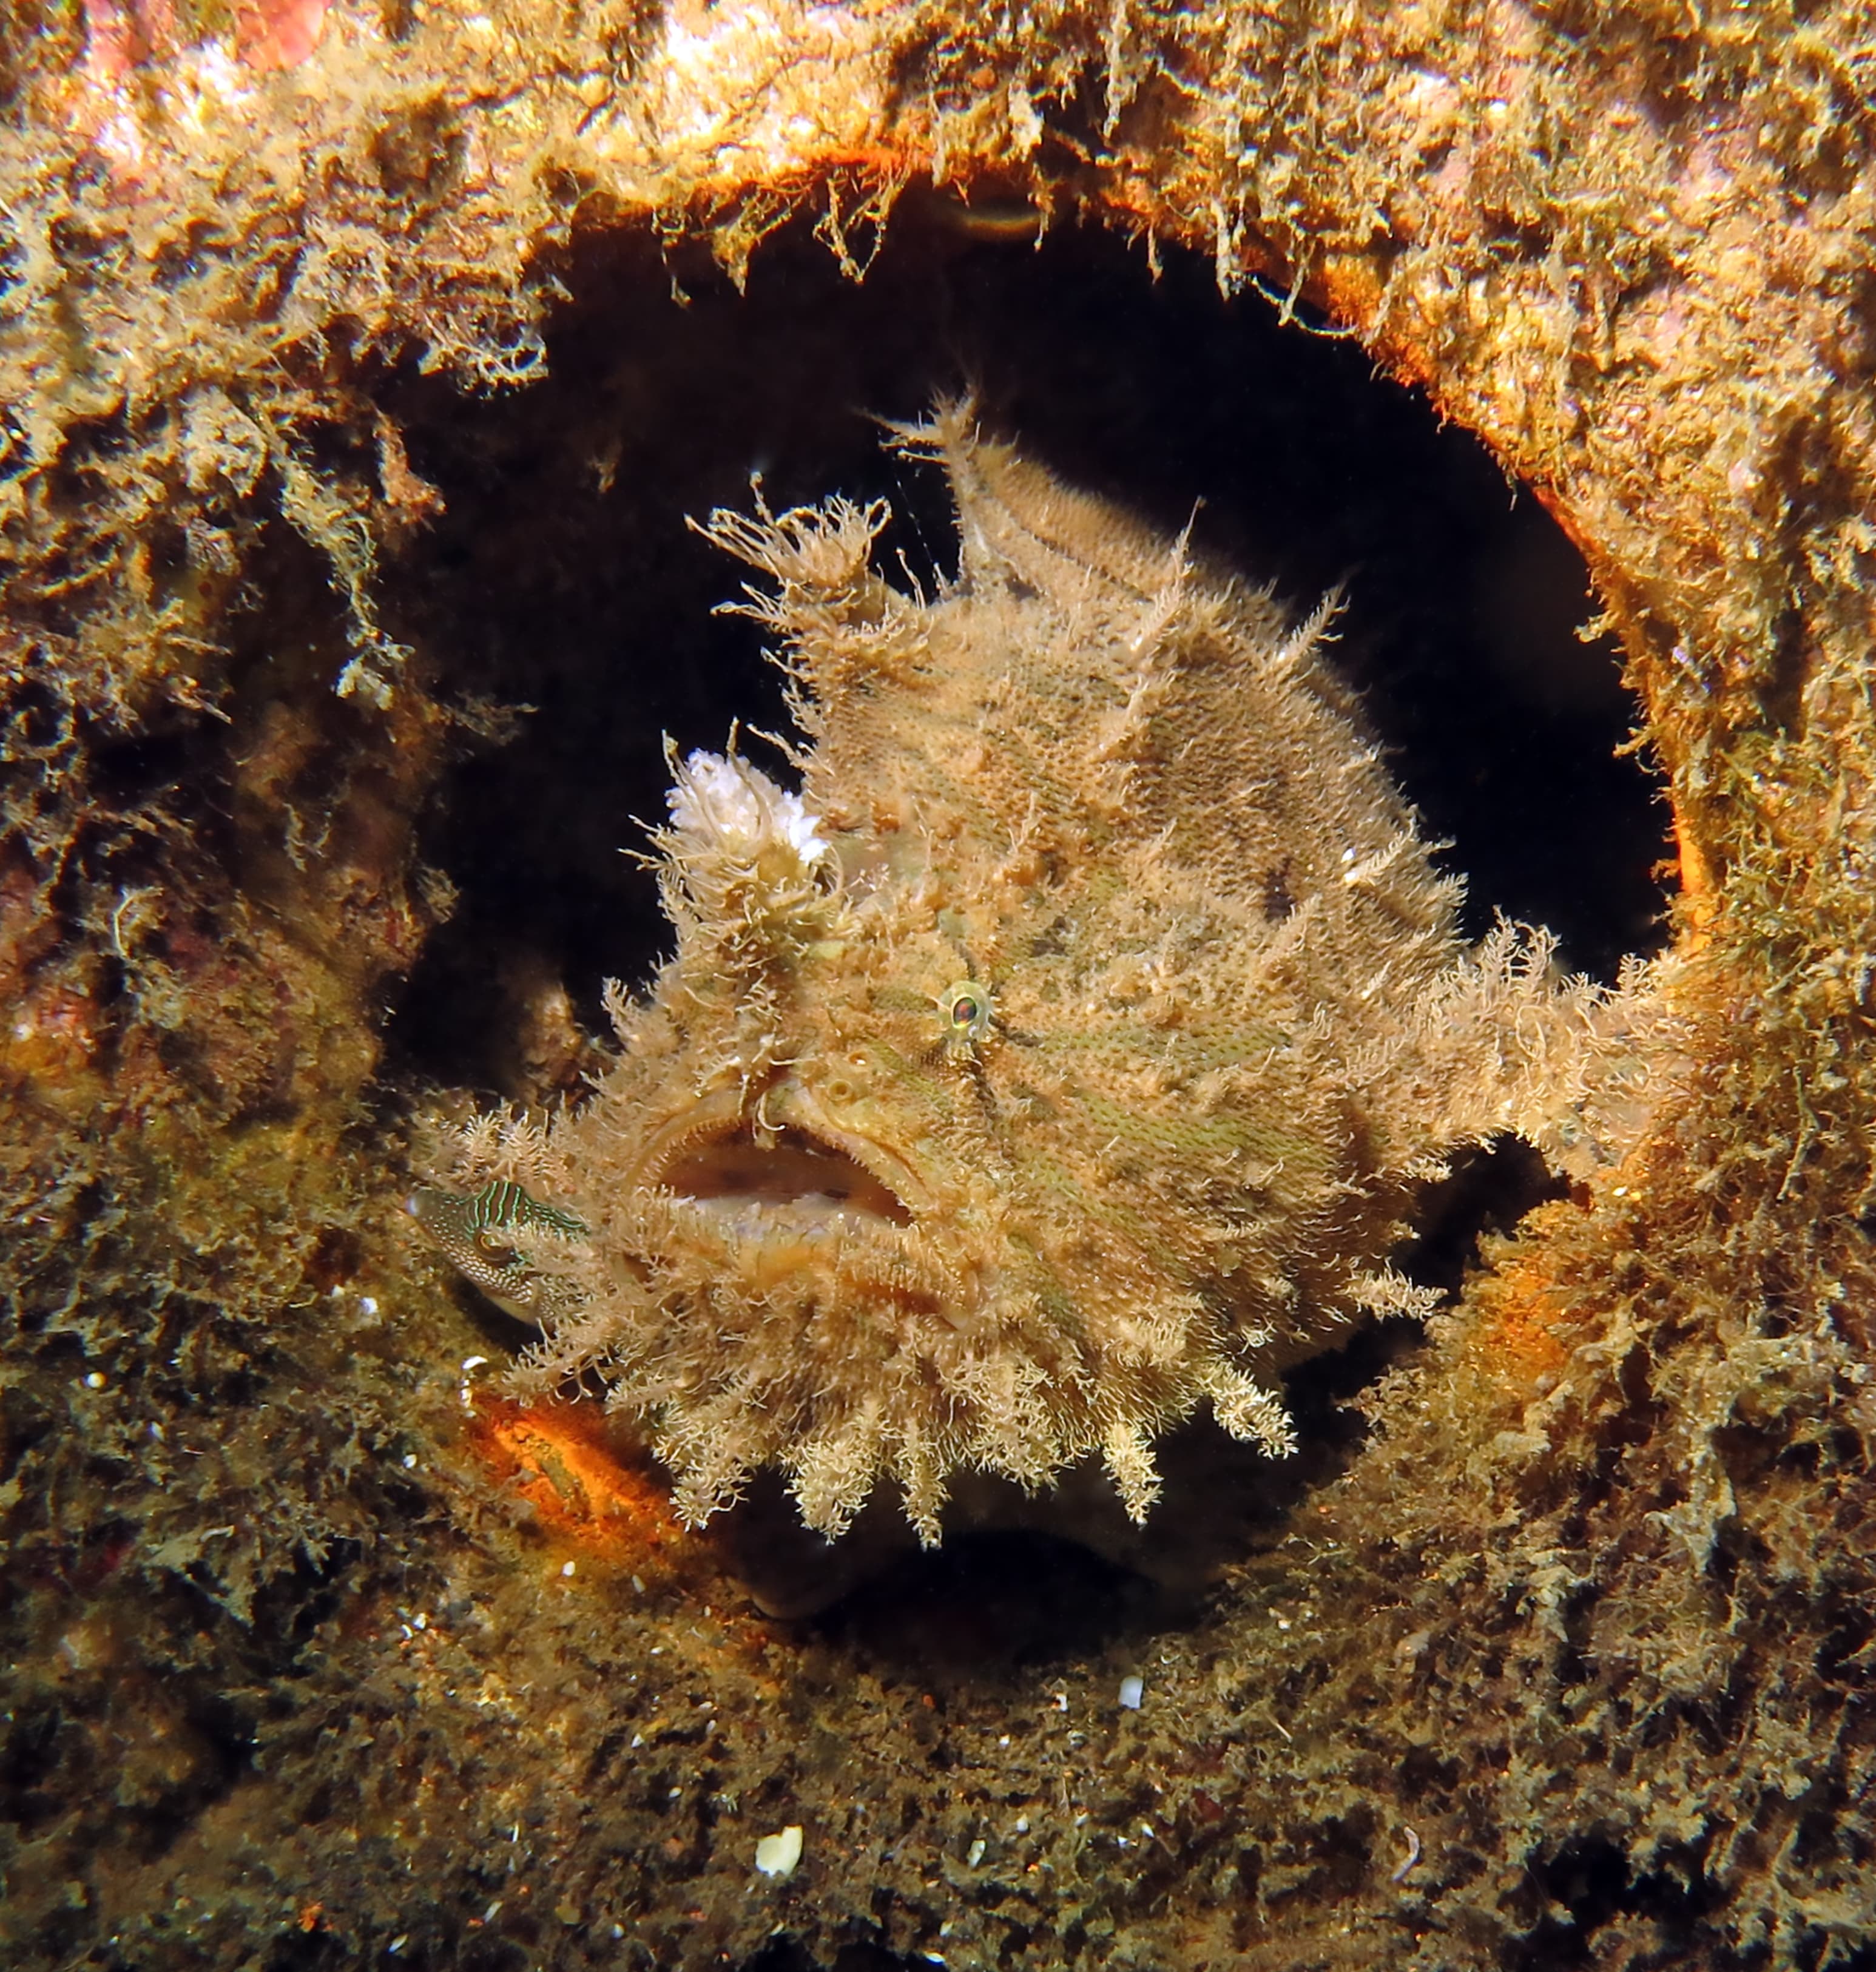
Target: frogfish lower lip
point(791, 1168)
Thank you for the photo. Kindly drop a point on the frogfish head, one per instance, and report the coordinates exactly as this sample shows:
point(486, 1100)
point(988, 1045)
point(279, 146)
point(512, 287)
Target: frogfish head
point(1061, 1057)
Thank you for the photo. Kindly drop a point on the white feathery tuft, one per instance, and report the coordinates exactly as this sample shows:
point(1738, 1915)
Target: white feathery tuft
point(724, 804)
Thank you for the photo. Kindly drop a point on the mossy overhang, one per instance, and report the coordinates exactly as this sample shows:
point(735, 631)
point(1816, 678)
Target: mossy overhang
point(1628, 260)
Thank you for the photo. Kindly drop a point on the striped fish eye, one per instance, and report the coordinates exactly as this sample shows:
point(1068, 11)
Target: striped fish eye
point(966, 1007)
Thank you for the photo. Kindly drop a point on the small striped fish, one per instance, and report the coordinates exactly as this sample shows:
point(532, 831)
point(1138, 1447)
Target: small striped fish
point(467, 1228)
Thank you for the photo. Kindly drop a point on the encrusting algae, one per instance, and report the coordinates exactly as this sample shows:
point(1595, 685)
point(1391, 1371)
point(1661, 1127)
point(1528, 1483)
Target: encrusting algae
point(1065, 1056)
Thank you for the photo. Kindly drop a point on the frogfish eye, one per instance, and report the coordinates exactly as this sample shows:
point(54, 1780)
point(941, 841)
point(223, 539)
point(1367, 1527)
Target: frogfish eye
point(967, 1009)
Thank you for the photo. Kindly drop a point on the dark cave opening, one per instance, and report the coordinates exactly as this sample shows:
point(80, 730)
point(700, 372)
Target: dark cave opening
point(563, 575)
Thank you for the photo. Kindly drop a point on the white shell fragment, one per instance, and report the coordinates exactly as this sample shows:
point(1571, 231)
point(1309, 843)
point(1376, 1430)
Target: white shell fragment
point(778, 1855)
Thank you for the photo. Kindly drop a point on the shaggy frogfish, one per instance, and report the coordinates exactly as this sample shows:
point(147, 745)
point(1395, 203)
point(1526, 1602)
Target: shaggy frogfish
point(1062, 1056)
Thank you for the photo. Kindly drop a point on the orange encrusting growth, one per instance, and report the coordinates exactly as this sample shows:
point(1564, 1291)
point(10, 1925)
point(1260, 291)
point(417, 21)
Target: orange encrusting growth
point(1522, 1301)
point(560, 1461)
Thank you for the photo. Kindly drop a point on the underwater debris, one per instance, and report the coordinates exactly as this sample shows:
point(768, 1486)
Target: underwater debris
point(1065, 1056)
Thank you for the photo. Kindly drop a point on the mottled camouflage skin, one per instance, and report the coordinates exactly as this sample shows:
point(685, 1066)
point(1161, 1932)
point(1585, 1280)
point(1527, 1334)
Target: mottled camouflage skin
point(1064, 1057)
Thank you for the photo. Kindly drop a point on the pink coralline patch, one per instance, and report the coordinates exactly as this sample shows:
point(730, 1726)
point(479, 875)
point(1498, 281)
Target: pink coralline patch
point(269, 34)
point(278, 33)
point(120, 34)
